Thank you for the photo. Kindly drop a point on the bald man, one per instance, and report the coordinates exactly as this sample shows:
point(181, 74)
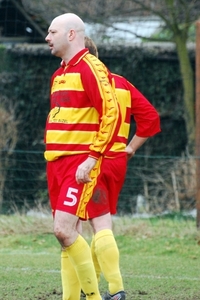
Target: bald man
point(80, 130)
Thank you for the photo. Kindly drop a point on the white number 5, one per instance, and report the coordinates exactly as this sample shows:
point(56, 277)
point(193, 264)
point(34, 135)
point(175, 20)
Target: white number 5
point(70, 194)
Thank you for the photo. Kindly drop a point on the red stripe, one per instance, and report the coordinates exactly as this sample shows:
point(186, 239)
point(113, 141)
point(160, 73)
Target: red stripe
point(128, 115)
point(74, 99)
point(121, 139)
point(72, 127)
point(68, 147)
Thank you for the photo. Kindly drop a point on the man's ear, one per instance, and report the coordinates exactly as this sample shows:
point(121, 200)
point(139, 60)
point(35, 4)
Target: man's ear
point(71, 34)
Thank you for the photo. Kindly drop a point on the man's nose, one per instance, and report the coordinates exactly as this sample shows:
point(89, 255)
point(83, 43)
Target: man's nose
point(47, 38)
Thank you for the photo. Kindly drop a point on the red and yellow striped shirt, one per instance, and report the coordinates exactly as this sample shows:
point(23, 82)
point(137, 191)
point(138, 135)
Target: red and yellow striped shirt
point(84, 115)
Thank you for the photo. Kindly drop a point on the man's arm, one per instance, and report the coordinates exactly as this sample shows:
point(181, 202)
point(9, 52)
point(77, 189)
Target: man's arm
point(135, 143)
point(147, 120)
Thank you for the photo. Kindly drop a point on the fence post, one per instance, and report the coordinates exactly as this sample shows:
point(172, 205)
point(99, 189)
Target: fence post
point(198, 123)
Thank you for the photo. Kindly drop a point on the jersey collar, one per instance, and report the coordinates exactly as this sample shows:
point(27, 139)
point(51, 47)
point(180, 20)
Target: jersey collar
point(75, 60)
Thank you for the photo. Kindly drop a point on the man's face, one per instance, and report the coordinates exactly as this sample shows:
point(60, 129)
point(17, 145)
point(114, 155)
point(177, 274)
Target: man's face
point(57, 38)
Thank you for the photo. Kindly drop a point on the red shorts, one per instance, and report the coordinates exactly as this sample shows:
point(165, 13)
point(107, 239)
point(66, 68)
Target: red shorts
point(108, 187)
point(64, 192)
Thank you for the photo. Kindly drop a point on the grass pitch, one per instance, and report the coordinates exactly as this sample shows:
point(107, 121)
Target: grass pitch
point(160, 258)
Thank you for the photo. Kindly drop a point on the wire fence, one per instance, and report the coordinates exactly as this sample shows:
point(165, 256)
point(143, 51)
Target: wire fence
point(153, 184)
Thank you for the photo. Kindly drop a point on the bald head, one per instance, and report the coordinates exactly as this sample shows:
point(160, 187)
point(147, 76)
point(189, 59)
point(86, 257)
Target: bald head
point(70, 21)
point(66, 36)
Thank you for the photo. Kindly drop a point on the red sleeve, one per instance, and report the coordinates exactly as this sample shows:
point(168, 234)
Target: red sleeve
point(145, 115)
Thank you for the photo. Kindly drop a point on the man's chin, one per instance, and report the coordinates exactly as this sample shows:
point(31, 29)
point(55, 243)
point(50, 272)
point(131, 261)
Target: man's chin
point(53, 52)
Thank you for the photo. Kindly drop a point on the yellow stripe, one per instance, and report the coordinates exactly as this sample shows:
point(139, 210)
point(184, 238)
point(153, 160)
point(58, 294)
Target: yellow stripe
point(118, 147)
point(109, 103)
point(53, 155)
point(69, 137)
point(88, 190)
point(123, 97)
point(87, 115)
point(65, 82)
point(124, 100)
point(99, 70)
point(124, 130)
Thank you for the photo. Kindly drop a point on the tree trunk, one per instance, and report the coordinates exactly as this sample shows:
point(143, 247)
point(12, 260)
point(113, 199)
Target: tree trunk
point(188, 88)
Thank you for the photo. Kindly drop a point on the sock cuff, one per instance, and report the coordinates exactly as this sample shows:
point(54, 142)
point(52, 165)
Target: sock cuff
point(78, 246)
point(64, 254)
point(103, 233)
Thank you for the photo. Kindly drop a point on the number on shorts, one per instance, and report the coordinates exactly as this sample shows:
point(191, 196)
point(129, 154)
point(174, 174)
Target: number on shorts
point(70, 194)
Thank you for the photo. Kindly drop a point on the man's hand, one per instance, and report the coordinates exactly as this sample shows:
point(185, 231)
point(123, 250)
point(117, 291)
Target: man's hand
point(84, 169)
point(130, 152)
point(135, 143)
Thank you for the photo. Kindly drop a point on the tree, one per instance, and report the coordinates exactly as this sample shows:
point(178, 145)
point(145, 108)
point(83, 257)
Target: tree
point(177, 17)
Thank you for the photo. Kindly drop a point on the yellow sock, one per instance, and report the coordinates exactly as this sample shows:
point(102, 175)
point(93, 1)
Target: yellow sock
point(95, 260)
point(81, 258)
point(70, 285)
point(108, 257)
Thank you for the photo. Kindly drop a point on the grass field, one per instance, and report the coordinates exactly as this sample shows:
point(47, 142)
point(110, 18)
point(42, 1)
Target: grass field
point(160, 258)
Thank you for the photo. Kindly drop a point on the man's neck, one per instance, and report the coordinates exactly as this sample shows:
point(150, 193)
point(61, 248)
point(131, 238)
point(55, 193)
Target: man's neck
point(66, 58)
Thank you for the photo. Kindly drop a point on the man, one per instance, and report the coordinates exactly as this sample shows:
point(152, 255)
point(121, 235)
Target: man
point(104, 248)
point(104, 199)
point(80, 130)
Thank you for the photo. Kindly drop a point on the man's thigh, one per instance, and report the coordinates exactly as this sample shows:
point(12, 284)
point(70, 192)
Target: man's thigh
point(64, 192)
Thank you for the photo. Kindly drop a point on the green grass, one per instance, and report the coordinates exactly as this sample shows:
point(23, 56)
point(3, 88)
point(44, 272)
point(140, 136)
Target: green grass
point(160, 258)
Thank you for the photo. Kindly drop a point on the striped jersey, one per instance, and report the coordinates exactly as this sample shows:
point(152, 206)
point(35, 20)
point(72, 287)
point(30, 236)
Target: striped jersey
point(133, 103)
point(84, 115)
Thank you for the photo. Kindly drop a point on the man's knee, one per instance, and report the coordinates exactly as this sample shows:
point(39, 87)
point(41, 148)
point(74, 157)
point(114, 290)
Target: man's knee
point(59, 232)
point(65, 228)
